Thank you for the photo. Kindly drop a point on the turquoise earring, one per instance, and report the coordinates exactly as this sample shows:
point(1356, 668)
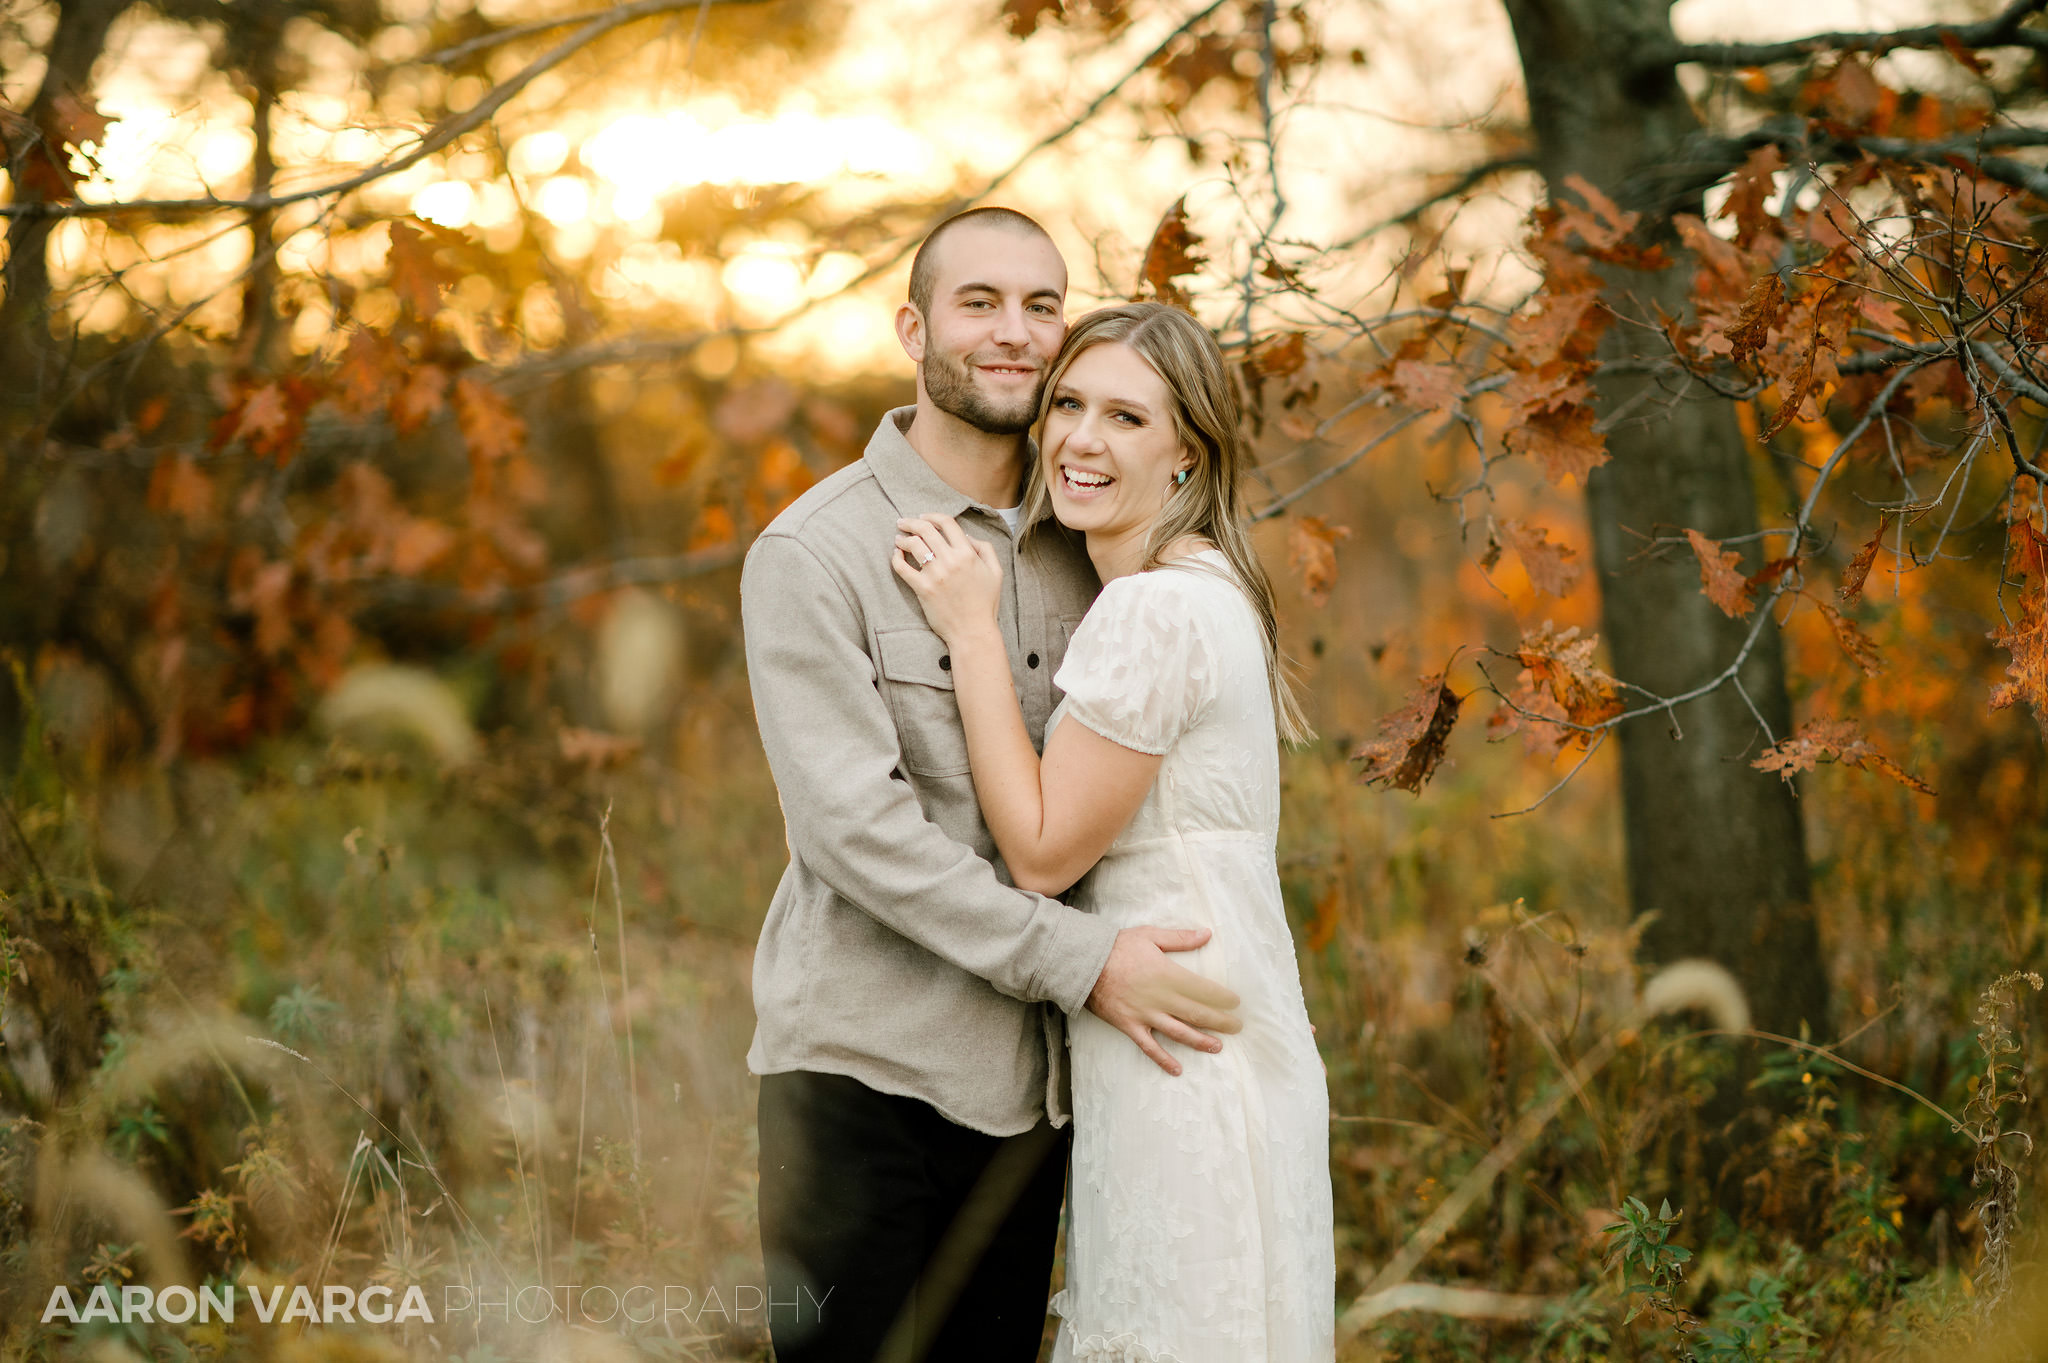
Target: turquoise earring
point(1180, 476)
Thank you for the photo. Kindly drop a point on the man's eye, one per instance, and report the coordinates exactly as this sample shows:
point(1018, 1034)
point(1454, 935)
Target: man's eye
point(1044, 310)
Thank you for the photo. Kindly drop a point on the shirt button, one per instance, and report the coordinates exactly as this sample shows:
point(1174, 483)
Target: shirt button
point(1031, 661)
point(945, 662)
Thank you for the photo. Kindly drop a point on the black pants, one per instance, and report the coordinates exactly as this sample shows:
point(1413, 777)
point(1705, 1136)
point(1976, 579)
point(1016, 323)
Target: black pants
point(893, 1234)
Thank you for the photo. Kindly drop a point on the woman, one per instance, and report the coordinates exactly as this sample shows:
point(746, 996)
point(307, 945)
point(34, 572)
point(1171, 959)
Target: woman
point(1199, 1225)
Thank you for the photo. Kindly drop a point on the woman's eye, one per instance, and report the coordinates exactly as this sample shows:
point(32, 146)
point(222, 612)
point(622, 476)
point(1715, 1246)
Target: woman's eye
point(1065, 404)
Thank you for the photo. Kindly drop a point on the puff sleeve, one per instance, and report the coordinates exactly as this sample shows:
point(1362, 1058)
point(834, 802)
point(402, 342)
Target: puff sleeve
point(1141, 669)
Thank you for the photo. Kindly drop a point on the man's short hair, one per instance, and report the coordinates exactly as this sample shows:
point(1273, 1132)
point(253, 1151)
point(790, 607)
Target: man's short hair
point(923, 265)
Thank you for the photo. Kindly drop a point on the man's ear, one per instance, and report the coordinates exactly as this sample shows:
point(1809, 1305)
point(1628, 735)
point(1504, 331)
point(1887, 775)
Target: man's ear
point(910, 332)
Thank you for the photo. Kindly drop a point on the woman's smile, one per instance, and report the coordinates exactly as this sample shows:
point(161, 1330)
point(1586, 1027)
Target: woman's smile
point(1110, 444)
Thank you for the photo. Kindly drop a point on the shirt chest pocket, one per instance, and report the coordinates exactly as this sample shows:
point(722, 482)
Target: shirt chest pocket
point(917, 682)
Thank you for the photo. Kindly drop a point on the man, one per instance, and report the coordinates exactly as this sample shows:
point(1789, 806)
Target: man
point(911, 1070)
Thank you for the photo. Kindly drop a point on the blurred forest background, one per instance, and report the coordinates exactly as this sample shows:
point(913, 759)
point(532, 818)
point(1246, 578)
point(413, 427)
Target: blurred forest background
point(389, 390)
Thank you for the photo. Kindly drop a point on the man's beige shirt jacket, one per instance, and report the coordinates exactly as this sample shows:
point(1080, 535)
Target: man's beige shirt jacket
point(896, 952)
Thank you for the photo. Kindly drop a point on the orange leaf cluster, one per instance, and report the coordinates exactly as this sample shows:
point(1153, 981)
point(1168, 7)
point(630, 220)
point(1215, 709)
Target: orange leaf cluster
point(1549, 414)
point(1833, 740)
point(1558, 682)
point(1411, 741)
point(1312, 550)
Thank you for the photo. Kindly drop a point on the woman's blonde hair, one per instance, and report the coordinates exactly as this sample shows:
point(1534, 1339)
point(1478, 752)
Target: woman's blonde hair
point(1210, 504)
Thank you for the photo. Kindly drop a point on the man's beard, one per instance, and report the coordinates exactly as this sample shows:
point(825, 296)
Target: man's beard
point(950, 385)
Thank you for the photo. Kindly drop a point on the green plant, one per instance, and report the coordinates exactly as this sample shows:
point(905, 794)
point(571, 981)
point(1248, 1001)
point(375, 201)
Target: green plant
point(1651, 1267)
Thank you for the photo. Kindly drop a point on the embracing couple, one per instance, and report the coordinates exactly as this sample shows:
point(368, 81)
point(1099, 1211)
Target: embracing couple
point(1022, 704)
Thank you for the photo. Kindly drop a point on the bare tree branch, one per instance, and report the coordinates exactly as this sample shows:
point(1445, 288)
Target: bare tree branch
point(1470, 179)
point(562, 590)
point(2003, 31)
point(435, 138)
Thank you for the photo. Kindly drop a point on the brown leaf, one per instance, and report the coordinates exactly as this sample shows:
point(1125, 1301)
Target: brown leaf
point(1721, 576)
point(491, 428)
point(675, 468)
point(75, 122)
point(422, 398)
point(1858, 570)
point(1171, 254)
point(1956, 48)
point(368, 373)
point(419, 544)
point(1280, 357)
point(417, 277)
point(1558, 383)
point(1312, 550)
point(2026, 639)
point(1562, 441)
point(1752, 326)
point(2025, 636)
point(1429, 387)
point(1411, 741)
point(1833, 740)
point(1749, 187)
point(1851, 95)
point(1024, 16)
point(1568, 326)
point(178, 486)
point(1560, 662)
point(1600, 224)
point(1772, 571)
point(266, 417)
point(714, 529)
point(1862, 650)
point(1549, 565)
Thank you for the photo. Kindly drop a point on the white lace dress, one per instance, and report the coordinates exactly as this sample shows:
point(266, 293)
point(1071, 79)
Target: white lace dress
point(1198, 1216)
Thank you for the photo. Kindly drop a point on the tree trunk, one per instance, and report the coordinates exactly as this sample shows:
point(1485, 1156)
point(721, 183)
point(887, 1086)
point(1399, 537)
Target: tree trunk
point(1715, 848)
point(261, 34)
point(25, 348)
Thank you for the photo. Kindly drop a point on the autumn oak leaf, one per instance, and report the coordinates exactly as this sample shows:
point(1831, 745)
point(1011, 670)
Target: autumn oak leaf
point(1751, 329)
point(1025, 16)
point(1172, 254)
point(1721, 576)
point(491, 429)
point(1563, 441)
point(1429, 387)
point(1550, 566)
point(1862, 650)
point(1411, 741)
point(1312, 550)
point(1858, 571)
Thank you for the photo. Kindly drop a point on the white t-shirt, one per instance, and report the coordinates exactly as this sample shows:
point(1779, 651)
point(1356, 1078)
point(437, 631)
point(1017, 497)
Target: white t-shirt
point(1012, 515)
